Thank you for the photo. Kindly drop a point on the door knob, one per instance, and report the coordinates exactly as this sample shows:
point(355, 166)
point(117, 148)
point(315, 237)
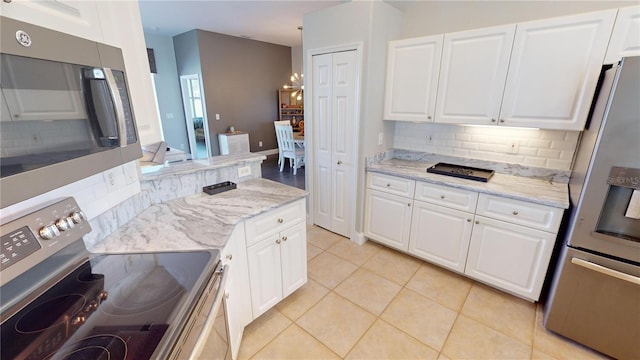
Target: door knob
point(339, 162)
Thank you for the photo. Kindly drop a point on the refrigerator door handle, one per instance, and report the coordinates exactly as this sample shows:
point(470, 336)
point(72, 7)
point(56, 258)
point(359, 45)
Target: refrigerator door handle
point(606, 271)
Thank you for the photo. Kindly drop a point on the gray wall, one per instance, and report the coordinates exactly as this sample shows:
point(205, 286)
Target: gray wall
point(168, 92)
point(240, 79)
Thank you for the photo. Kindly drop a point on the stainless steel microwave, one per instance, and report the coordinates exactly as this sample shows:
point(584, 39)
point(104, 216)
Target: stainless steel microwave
point(66, 113)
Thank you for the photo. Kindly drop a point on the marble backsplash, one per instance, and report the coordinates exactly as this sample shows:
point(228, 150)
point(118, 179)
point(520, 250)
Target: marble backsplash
point(557, 176)
point(179, 180)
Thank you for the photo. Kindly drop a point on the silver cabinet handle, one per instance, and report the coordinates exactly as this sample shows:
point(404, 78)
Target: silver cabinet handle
point(468, 220)
point(278, 241)
point(388, 185)
point(429, 117)
point(501, 120)
point(606, 271)
point(493, 120)
point(477, 222)
point(442, 197)
point(409, 204)
point(280, 221)
point(339, 162)
point(515, 212)
point(284, 238)
point(229, 257)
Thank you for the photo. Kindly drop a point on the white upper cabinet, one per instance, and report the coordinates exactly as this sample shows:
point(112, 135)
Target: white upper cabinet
point(625, 39)
point(472, 75)
point(554, 69)
point(412, 78)
point(79, 18)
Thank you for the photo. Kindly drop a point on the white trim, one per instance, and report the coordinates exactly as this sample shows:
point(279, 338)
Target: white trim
point(359, 238)
point(308, 115)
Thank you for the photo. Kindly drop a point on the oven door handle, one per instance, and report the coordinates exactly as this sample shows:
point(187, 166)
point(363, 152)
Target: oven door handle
point(211, 317)
point(606, 271)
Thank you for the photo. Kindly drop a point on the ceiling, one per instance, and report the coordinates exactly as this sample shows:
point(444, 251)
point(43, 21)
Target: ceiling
point(269, 21)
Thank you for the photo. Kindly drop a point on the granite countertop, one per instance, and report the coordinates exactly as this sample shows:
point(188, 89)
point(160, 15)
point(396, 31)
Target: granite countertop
point(190, 166)
point(538, 191)
point(199, 221)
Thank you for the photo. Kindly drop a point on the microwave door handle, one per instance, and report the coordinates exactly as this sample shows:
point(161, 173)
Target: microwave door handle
point(208, 324)
point(606, 271)
point(119, 107)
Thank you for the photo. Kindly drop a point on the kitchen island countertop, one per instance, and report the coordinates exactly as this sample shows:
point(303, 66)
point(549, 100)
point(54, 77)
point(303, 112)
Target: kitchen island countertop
point(199, 221)
point(533, 190)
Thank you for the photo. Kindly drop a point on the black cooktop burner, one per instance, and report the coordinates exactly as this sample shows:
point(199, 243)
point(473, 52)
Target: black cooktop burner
point(110, 307)
point(459, 171)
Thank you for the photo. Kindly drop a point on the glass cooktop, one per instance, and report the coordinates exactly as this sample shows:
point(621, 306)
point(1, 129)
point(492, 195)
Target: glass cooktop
point(459, 171)
point(111, 307)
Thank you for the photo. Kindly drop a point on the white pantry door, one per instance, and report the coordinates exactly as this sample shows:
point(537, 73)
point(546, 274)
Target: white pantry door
point(335, 86)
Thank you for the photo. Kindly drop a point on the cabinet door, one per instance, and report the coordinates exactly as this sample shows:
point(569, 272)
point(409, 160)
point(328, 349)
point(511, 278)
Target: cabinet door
point(511, 257)
point(265, 274)
point(554, 69)
point(293, 254)
point(237, 293)
point(388, 219)
point(625, 38)
point(440, 235)
point(472, 75)
point(412, 78)
point(79, 18)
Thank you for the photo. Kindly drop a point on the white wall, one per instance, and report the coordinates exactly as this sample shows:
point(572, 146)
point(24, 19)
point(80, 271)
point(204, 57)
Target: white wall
point(549, 149)
point(372, 24)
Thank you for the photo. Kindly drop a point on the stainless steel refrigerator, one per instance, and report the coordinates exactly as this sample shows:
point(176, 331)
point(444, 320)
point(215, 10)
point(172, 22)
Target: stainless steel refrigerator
point(595, 294)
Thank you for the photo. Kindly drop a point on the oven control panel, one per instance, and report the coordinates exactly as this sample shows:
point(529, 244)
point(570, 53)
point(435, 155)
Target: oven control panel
point(30, 239)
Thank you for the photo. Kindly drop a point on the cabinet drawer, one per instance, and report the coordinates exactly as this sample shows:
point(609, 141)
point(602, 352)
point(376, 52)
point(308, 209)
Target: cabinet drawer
point(535, 216)
point(262, 226)
point(391, 184)
point(447, 196)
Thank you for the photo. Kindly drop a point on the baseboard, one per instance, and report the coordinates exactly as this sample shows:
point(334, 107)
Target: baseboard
point(359, 238)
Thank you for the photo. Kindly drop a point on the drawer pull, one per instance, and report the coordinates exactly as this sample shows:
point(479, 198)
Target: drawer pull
point(477, 222)
point(388, 185)
point(442, 197)
point(280, 221)
point(515, 212)
point(468, 220)
point(229, 257)
point(284, 238)
point(278, 241)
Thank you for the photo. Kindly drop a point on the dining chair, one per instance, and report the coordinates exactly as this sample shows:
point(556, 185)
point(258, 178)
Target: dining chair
point(275, 123)
point(287, 148)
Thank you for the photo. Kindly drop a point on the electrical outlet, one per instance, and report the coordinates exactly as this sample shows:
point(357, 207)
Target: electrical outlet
point(217, 116)
point(380, 138)
point(130, 172)
point(259, 143)
point(110, 180)
point(513, 147)
point(244, 171)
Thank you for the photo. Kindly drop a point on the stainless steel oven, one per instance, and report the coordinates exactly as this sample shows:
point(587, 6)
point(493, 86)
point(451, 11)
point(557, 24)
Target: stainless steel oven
point(66, 110)
point(595, 295)
point(59, 301)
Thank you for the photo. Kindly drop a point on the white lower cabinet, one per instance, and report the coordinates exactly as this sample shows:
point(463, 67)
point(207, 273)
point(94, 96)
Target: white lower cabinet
point(237, 293)
point(440, 235)
point(388, 219)
point(512, 257)
point(502, 242)
point(277, 262)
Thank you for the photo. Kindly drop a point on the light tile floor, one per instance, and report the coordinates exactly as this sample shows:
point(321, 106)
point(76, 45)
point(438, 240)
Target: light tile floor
point(371, 302)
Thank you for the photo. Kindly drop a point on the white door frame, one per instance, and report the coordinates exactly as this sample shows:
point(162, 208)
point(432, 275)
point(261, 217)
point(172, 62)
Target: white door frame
point(309, 125)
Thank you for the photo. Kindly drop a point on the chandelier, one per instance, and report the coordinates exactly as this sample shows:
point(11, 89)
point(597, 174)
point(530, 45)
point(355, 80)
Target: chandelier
point(297, 81)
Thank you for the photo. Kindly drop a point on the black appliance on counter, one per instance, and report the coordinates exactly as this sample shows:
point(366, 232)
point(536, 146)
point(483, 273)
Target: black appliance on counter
point(59, 301)
point(460, 171)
